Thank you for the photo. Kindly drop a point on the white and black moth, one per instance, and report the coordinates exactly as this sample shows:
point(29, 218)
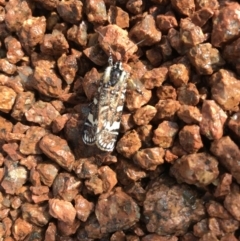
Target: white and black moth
point(102, 124)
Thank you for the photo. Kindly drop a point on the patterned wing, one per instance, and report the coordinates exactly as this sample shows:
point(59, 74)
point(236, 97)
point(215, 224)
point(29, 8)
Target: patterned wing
point(90, 125)
point(111, 101)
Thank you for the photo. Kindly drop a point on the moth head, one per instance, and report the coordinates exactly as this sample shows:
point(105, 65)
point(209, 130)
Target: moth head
point(116, 73)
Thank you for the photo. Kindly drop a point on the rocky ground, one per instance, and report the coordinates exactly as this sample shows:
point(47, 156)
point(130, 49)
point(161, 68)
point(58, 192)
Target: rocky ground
point(174, 173)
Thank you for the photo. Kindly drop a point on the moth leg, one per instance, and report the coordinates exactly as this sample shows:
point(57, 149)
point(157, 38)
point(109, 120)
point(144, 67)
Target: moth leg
point(135, 85)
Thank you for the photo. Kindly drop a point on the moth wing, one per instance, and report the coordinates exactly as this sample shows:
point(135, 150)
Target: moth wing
point(106, 140)
point(109, 123)
point(90, 125)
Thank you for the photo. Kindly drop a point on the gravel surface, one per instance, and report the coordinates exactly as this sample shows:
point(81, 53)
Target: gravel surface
point(174, 173)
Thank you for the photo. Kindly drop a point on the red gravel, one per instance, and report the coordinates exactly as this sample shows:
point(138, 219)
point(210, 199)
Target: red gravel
point(174, 174)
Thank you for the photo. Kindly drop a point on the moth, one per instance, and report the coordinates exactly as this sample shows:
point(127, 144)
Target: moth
point(103, 121)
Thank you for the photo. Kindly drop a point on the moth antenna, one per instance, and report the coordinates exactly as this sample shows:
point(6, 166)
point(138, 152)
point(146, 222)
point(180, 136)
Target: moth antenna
point(110, 59)
point(135, 44)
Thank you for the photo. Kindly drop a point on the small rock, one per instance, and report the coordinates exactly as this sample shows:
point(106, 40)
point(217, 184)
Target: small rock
point(16, 202)
point(12, 150)
point(21, 229)
point(33, 213)
point(15, 177)
point(216, 210)
point(225, 90)
point(165, 134)
point(227, 153)
point(156, 237)
point(166, 21)
point(14, 49)
point(189, 114)
point(62, 210)
point(135, 100)
point(155, 77)
point(119, 235)
point(54, 44)
point(66, 186)
point(145, 29)
point(128, 172)
point(23, 103)
point(234, 123)
point(96, 11)
point(78, 34)
point(58, 150)
point(39, 190)
point(85, 167)
point(127, 123)
point(51, 232)
point(32, 32)
point(96, 55)
point(213, 4)
point(48, 173)
point(162, 201)
point(30, 161)
point(165, 92)
point(173, 38)
point(68, 229)
point(135, 7)
point(232, 202)
point(117, 16)
point(49, 5)
point(145, 134)
point(166, 109)
point(144, 115)
point(137, 192)
point(199, 169)
point(45, 81)
point(67, 66)
point(224, 185)
point(190, 35)
point(30, 142)
point(213, 119)
point(94, 185)
point(118, 39)
point(149, 158)
point(165, 48)
point(201, 16)
point(190, 138)
point(83, 207)
point(20, 128)
point(70, 11)
point(223, 30)
point(90, 83)
point(129, 144)
point(188, 94)
point(92, 229)
point(179, 74)
point(7, 99)
point(154, 56)
point(111, 207)
point(205, 58)
point(16, 13)
point(42, 113)
point(108, 177)
point(184, 7)
point(170, 157)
